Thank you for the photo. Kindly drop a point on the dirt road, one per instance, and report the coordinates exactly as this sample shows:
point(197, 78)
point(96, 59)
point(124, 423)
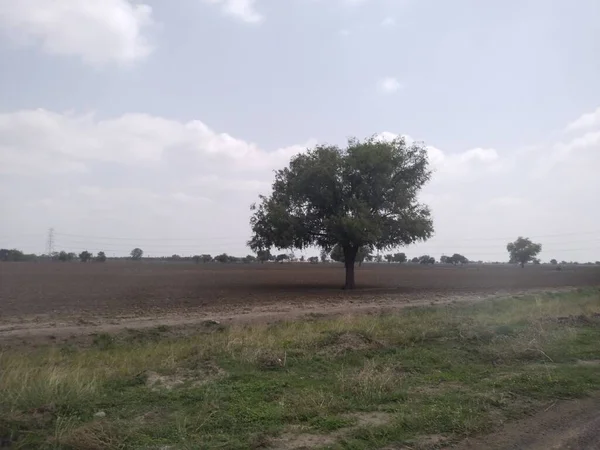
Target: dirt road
point(570, 425)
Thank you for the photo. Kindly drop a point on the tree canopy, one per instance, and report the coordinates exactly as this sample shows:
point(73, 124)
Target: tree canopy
point(85, 256)
point(455, 259)
point(137, 253)
point(337, 254)
point(364, 195)
point(523, 250)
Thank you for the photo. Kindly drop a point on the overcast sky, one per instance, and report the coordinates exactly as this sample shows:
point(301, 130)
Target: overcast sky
point(157, 123)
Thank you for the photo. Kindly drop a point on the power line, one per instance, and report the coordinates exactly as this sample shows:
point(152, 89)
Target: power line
point(229, 237)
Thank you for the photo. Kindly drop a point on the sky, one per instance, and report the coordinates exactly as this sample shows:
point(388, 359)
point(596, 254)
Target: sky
point(157, 123)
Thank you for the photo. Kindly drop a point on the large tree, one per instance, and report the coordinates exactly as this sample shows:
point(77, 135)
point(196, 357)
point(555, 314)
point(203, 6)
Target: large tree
point(137, 253)
point(337, 254)
point(364, 195)
point(523, 250)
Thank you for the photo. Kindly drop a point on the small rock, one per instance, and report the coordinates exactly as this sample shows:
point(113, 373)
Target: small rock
point(100, 414)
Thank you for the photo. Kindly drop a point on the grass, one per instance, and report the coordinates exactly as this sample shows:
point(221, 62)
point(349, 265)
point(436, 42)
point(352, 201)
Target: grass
point(451, 371)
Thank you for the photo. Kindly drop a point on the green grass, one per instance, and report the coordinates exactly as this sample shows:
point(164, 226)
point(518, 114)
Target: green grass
point(452, 371)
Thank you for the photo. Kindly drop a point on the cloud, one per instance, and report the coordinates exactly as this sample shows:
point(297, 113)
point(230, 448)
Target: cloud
point(98, 32)
point(243, 10)
point(389, 85)
point(152, 177)
point(588, 120)
point(69, 141)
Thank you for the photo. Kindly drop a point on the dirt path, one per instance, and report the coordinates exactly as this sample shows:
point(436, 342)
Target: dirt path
point(572, 425)
point(39, 329)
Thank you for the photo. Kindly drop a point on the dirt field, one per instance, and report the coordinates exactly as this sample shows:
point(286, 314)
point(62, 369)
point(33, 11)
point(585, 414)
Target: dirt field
point(129, 288)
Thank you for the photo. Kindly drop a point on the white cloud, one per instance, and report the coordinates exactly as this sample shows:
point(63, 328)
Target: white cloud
point(243, 10)
point(97, 31)
point(389, 85)
point(588, 120)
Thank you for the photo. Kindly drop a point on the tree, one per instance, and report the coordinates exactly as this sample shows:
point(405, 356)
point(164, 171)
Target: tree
point(323, 256)
point(302, 258)
point(399, 257)
point(414, 260)
point(445, 259)
point(281, 258)
point(553, 262)
point(136, 254)
point(389, 258)
point(63, 256)
point(426, 259)
point(205, 258)
point(264, 255)
point(12, 255)
point(222, 258)
point(313, 260)
point(364, 195)
point(379, 258)
point(101, 257)
point(523, 250)
point(85, 256)
point(337, 254)
point(249, 259)
point(457, 258)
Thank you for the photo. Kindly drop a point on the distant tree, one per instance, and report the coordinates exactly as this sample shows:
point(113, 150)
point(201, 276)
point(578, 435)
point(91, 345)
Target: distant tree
point(445, 259)
point(414, 260)
point(379, 258)
point(100, 257)
point(175, 257)
point(399, 257)
point(426, 259)
point(369, 257)
point(85, 256)
point(13, 255)
point(597, 263)
point(553, 262)
point(222, 258)
point(264, 255)
point(282, 257)
point(136, 254)
point(313, 260)
point(302, 258)
point(523, 250)
point(389, 258)
point(249, 259)
point(63, 256)
point(563, 263)
point(457, 258)
point(323, 255)
point(71, 256)
point(364, 195)
point(206, 258)
point(536, 261)
point(196, 259)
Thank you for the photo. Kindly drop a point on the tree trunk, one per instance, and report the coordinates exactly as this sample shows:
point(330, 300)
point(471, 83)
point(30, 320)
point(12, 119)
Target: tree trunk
point(349, 260)
point(522, 265)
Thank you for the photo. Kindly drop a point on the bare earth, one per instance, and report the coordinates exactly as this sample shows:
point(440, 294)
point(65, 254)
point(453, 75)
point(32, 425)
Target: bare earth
point(64, 300)
point(572, 425)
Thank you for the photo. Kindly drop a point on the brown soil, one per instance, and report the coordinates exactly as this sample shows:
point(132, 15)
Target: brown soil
point(562, 426)
point(61, 301)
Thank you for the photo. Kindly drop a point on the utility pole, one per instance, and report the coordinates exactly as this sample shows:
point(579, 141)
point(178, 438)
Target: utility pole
point(50, 243)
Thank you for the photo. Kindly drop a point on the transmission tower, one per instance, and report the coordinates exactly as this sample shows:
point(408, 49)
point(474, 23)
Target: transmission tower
point(50, 242)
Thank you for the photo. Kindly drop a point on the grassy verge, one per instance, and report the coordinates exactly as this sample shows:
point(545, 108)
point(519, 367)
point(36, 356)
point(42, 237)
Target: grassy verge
point(422, 376)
